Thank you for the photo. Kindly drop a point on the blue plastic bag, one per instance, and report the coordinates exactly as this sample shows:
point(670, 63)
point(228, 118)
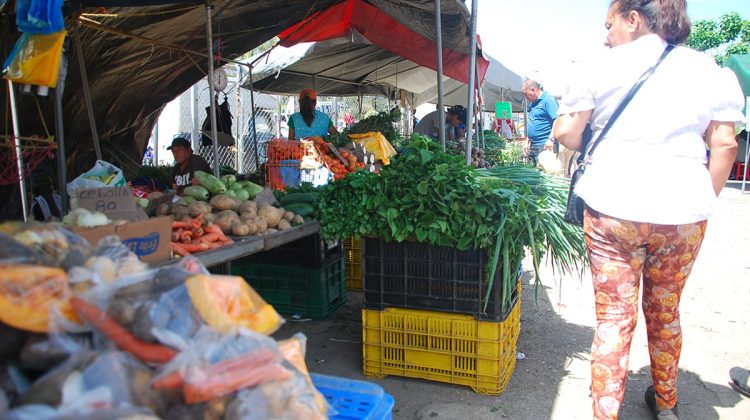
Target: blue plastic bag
point(39, 16)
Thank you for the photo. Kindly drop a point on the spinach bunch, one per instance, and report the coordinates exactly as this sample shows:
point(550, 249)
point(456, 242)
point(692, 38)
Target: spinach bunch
point(382, 122)
point(423, 194)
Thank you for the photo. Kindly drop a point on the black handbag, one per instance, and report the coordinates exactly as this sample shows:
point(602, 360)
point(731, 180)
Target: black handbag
point(576, 205)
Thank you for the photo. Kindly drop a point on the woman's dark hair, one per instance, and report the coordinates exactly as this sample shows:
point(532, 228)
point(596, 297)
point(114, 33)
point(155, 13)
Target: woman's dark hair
point(307, 109)
point(666, 18)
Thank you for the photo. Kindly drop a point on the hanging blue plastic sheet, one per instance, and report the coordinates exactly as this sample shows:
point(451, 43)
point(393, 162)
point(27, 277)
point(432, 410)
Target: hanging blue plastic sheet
point(39, 16)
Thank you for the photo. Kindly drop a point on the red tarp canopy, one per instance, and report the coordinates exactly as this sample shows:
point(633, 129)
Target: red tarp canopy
point(385, 32)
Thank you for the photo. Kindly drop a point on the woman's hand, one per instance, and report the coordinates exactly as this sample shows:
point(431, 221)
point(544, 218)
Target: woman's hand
point(723, 146)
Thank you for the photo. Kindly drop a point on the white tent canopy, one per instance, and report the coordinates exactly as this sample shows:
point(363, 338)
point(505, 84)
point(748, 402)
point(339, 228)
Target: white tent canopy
point(352, 66)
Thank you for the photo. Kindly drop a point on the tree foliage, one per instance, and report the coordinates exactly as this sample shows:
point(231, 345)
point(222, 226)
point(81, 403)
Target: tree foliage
point(730, 34)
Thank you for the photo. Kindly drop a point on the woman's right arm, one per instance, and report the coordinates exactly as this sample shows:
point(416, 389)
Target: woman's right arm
point(721, 141)
point(568, 128)
point(291, 133)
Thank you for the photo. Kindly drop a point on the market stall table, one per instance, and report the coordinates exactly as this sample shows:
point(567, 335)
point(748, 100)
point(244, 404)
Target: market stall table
point(218, 259)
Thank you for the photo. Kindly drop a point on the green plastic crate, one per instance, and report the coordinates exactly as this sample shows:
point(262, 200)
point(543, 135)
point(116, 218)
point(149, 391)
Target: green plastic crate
point(309, 292)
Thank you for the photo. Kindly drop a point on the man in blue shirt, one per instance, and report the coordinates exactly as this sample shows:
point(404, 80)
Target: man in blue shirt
point(542, 112)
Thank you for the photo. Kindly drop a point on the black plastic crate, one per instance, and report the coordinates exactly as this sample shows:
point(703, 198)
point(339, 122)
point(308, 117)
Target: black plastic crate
point(308, 252)
point(415, 275)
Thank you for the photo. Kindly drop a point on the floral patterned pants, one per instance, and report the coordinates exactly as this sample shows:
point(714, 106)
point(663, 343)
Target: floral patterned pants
point(620, 252)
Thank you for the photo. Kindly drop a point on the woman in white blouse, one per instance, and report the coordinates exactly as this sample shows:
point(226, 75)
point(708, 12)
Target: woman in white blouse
point(649, 188)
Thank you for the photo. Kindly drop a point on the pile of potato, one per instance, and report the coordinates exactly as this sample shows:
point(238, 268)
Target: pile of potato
point(233, 216)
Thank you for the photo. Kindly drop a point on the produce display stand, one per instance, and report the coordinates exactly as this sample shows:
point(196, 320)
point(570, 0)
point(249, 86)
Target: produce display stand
point(251, 245)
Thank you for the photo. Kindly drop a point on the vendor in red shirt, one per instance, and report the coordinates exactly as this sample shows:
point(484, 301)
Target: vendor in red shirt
point(186, 163)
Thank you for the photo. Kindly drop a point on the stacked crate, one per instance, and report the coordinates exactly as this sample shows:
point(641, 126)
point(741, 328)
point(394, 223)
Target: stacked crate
point(353, 263)
point(425, 316)
point(304, 277)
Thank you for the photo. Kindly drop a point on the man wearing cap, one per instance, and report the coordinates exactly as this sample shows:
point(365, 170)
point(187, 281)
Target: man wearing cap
point(309, 122)
point(186, 163)
point(429, 125)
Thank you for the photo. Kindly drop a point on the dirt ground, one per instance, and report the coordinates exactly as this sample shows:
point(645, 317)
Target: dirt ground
point(552, 382)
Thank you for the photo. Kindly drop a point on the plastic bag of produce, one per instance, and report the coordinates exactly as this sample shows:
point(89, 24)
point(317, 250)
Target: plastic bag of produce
point(213, 365)
point(53, 245)
point(14, 252)
point(110, 261)
point(29, 294)
point(103, 174)
point(128, 311)
point(294, 350)
point(95, 385)
point(228, 302)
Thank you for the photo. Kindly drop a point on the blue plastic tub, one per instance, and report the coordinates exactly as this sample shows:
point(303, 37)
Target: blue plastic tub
point(290, 172)
point(354, 400)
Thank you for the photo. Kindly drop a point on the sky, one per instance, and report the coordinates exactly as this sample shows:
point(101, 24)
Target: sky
point(544, 39)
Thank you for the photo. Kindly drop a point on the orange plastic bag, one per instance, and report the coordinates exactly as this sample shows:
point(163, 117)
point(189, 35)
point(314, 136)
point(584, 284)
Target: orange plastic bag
point(36, 60)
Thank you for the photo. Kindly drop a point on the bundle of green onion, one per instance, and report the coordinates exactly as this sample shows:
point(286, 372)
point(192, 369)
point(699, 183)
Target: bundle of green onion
point(534, 205)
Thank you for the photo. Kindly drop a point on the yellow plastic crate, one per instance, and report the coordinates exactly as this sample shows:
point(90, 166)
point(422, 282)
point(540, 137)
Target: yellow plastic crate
point(441, 347)
point(353, 263)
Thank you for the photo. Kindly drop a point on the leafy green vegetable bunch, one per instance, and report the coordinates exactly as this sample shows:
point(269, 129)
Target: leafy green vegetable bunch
point(382, 122)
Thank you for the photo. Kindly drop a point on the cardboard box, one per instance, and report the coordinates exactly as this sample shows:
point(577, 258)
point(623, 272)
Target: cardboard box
point(149, 239)
point(118, 203)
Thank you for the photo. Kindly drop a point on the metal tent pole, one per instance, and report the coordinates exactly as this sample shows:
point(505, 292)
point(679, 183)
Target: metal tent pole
point(278, 117)
point(360, 102)
point(747, 150)
point(439, 48)
point(252, 118)
point(19, 156)
point(472, 77)
point(241, 111)
point(195, 136)
point(211, 90)
point(480, 109)
point(62, 170)
point(156, 144)
point(86, 91)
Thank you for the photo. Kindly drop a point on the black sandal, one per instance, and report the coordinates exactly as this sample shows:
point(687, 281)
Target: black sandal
point(668, 414)
point(740, 380)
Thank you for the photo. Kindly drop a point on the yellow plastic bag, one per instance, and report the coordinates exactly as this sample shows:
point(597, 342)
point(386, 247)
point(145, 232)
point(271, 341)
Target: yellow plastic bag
point(228, 302)
point(377, 144)
point(36, 60)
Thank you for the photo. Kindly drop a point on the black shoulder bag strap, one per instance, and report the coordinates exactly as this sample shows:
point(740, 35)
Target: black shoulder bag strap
point(592, 146)
point(576, 205)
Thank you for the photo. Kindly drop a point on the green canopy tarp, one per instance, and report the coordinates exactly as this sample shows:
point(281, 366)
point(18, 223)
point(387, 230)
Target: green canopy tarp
point(740, 65)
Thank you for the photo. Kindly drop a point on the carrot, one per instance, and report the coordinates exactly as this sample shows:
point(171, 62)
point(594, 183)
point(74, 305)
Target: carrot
point(197, 222)
point(195, 247)
point(250, 360)
point(227, 376)
point(175, 236)
point(181, 225)
point(173, 380)
point(186, 236)
point(216, 229)
point(150, 353)
point(179, 249)
point(240, 379)
point(209, 237)
point(197, 232)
